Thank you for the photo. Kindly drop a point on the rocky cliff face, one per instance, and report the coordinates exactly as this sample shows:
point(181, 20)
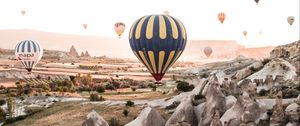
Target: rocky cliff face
point(289, 52)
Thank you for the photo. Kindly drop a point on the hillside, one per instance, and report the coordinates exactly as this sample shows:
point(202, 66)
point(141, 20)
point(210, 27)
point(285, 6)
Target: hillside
point(119, 48)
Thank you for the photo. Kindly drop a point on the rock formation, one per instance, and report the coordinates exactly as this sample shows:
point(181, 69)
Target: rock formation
point(148, 117)
point(87, 54)
point(94, 119)
point(73, 52)
point(278, 113)
point(183, 113)
point(82, 54)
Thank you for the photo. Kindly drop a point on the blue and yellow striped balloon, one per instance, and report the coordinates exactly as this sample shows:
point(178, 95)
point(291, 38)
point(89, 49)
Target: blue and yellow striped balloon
point(157, 41)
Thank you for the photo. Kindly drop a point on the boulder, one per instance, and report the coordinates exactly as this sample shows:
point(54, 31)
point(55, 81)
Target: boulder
point(94, 119)
point(292, 111)
point(183, 113)
point(148, 117)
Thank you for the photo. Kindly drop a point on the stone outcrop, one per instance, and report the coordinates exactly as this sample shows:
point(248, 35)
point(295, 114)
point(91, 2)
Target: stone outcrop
point(86, 54)
point(292, 111)
point(278, 113)
point(183, 113)
point(148, 117)
point(94, 119)
point(82, 54)
point(73, 52)
point(215, 101)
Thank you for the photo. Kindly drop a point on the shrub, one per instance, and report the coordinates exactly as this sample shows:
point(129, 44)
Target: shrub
point(2, 114)
point(199, 96)
point(184, 86)
point(94, 97)
point(48, 94)
point(173, 105)
point(100, 89)
point(290, 93)
point(154, 88)
point(129, 103)
point(114, 122)
point(265, 61)
point(125, 112)
point(2, 102)
point(262, 92)
point(133, 89)
point(253, 69)
point(110, 87)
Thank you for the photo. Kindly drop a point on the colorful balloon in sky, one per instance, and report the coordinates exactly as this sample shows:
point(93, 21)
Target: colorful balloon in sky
point(85, 26)
point(157, 41)
point(245, 33)
point(256, 1)
point(166, 13)
point(29, 53)
point(23, 12)
point(291, 20)
point(119, 28)
point(207, 51)
point(221, 17)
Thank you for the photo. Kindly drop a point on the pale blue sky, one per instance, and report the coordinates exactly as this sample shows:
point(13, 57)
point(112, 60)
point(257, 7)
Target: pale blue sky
point(198, 16)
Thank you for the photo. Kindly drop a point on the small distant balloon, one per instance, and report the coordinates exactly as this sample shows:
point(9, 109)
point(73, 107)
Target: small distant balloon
point(85, 26)
point(256, 1)
point(260, 32)
point(119, 28)
point(291, 20)
point(207, 51)
point(245, 33)
point(23, 12)
point(221, 17)
point(166, 13)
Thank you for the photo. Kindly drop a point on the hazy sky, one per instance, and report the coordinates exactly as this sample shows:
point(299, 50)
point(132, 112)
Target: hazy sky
point(198, 16)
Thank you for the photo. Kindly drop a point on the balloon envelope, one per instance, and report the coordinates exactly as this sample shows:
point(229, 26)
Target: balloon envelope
point(119, 28)
point(23, 12)
point(256, 1)
point(29, 53)
point(245, 33)
point(85, 26)
point(221, 17)
point(207, 51)
point(291, 20)
point(157, 41)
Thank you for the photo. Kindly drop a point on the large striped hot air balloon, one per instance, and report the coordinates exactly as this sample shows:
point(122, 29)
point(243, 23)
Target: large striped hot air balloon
point(157, 41)
point(29, 52)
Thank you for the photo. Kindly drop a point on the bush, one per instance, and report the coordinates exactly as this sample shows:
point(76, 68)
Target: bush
point(290, 93)
point(184, 86)
point(110, 87)
point(173, 105)
point(2, 102)
point(133, 89)
point(100, 89)
point(199, 96)
point(94, 97)
point(265, 61)
point(2, 114)
point(154, 88)
point(48, 94)
point(114, 122)
point(262, 92)
point(129, 103)
point(253, 69)
point(125, 112)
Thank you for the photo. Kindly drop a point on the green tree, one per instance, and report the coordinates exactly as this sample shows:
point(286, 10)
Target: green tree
point(10, 106)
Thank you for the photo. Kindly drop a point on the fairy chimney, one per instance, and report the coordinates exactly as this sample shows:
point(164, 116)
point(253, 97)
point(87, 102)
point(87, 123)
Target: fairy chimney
point(73, 51)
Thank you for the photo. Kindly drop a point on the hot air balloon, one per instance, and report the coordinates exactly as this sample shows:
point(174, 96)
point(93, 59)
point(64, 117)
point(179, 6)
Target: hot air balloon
point(29, 53)
point(291, 20)
point(85, 26)
point(166, 13)
point(221, 17)
point(157, 41)
point(256, 1)
point(245, 33)
point(23, 12)
point(207, 51)
point(119, 28)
